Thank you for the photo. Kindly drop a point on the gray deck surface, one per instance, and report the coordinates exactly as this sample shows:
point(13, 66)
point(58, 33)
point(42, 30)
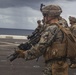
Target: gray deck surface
point(19, 66)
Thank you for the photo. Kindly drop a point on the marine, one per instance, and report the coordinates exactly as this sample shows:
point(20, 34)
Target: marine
point(33, 39)
point(72, 21)
point(52, 44)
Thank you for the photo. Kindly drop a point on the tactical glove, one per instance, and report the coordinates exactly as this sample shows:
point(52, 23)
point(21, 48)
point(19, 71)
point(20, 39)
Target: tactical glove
point(20, 53)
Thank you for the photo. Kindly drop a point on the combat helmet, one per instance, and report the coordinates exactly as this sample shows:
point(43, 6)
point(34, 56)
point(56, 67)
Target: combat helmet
point(72, 19)
point(39, 21)
point(51, 10)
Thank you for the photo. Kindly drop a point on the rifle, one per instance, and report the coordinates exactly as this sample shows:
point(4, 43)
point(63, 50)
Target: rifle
point(41, 7)
point(26, 46)
point(13, 56)
point(33, 41)
point(23, 47)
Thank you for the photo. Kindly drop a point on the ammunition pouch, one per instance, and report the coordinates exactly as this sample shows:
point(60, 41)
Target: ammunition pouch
point(71, 49)
point(57, 50)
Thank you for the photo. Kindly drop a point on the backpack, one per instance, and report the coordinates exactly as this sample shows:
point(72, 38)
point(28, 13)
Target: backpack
point(71, 41)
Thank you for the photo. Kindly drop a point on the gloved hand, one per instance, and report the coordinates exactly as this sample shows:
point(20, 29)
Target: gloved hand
point(25, 46)
point(73, 66)
point(20, 53)
point(21, 46)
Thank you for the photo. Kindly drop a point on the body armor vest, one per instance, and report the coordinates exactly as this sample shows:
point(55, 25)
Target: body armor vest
point(58, 49)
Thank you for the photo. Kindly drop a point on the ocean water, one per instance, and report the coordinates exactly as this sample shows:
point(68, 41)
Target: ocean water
point(8, 31)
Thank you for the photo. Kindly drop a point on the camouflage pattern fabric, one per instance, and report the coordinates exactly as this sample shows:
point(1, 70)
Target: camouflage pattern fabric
point(48, 69)
point(63, 21)
point(56, 68)
point(60, 68)
point(52, 10)
point(72, 21)
point(73, 29)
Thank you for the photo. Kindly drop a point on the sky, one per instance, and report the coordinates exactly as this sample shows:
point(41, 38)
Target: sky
point(23, 14)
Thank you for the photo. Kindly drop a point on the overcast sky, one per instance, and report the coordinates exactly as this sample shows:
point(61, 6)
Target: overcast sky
point(23, 14)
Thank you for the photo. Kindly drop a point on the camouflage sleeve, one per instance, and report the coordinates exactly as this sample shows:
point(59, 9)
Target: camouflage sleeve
point(40, 48)
point(74, 31)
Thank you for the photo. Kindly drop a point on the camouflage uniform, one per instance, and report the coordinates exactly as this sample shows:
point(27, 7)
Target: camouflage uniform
point(73, 25)
point(54, 53)
point(72, 21)
point(40, 26)
point(37, 30)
